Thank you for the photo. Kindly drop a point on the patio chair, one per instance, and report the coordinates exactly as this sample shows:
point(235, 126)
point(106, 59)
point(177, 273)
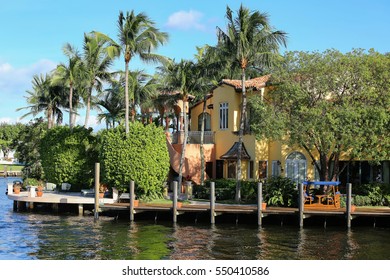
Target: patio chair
point(308, 198)
point(50, 187)
point(65, 186)
point(334, 198)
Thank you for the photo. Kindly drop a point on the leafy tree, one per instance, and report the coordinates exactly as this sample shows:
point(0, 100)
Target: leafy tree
point(330, 104)
point(9, 135)
point(27, 148)
point(69, 156)
point(249, 41)
point(141, 156)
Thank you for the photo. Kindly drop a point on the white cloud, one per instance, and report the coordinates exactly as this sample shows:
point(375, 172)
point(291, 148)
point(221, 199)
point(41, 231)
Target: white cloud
point(186, 20)
point(14, 81)
point(18, 80)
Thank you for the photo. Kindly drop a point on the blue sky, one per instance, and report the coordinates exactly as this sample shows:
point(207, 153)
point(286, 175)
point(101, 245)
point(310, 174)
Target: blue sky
point(33, 32)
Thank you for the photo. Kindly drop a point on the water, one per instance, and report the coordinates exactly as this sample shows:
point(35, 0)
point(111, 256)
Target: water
point(27, 236)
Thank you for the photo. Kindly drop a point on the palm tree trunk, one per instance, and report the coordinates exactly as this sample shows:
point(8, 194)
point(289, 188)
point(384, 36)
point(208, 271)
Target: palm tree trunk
point(49, 118)
point(88, 109)
point(240, 139)
point(70, 106)
point(183, 151)
point(202, 160)
point(127, 97)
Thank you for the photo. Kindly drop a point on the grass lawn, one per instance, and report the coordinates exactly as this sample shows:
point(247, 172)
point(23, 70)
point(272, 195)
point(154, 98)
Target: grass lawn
point(11, 167)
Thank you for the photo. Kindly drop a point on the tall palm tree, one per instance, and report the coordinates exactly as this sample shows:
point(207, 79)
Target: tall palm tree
point(44, 97)
point(69, 75)
point(164, 102)
point(142, 88)
point(112, 102)
point(137, 36)
point(182, 77)
point(96, 64)
point(249, 40)
point(211, 69)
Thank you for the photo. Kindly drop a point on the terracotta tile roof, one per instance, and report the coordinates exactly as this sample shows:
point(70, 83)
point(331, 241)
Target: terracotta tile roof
point(256, 83)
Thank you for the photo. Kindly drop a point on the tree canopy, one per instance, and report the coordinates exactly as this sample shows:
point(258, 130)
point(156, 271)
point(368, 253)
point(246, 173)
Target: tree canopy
point(331, 104)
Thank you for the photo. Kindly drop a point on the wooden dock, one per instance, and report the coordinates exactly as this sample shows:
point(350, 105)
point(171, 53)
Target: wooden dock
point(11, 173)
point(250, 210)
point(212, 211)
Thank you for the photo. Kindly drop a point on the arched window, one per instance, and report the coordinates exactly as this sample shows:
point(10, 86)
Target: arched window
point(296, 166)
point(207, 124)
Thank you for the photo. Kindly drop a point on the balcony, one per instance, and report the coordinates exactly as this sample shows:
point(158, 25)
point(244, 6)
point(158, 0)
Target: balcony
point(193, 137)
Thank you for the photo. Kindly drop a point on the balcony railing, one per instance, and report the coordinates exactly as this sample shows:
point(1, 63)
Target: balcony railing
point(193, 137)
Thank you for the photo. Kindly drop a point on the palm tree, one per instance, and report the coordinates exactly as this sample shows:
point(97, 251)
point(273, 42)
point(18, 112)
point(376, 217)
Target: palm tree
point(46, 98)
point(163, 103)
point(248, 41)
point(112, 102)
point(182, 77)
point(96, 64)
point(137, 35)
point(142, 88)
point(68, 75)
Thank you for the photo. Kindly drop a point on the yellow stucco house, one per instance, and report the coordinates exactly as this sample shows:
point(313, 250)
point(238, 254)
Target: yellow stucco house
point(260, 159)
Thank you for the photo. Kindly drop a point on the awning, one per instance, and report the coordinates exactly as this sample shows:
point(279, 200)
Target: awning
point(233, 153)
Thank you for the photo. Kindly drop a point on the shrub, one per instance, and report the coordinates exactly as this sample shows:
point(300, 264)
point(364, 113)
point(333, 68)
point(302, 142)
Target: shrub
point(225, 189)
point(280, 191)
point(376, 192)
point(141, 157)
point(361, 200)
point(69, 156)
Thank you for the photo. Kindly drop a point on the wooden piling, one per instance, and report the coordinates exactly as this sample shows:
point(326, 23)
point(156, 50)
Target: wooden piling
point(131, 194)
point(80, 209)
point(212, 203)
point(174, 199)
point(348, 206)
point(301, 204)
point(259, 203)
point(97, 183)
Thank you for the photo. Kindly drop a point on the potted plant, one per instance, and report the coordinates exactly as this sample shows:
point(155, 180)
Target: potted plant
point(102, 189)
point(40, 189)
point(17, 186)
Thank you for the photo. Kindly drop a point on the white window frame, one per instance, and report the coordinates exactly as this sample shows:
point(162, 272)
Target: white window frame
point(223, 115)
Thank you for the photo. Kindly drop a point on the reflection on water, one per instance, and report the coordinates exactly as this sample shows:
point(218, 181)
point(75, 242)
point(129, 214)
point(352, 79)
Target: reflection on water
point(47, 236)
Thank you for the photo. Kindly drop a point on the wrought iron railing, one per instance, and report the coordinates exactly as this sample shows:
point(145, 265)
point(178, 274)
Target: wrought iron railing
point(193, 137)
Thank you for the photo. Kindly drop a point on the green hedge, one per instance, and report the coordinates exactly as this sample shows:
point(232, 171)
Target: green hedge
point(373, 194)
point(141, 157)
point(277, 191)
point(69, 156)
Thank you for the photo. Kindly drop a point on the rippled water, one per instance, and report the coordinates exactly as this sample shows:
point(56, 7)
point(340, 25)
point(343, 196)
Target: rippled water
point(28, 235)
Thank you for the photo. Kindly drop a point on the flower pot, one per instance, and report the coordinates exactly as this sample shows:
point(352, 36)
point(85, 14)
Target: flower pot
point(39, 193)
point(101, 195)
point(353, 208)
point(136, 203)
point(179, 204)
point(263, 205)
point(16, 190)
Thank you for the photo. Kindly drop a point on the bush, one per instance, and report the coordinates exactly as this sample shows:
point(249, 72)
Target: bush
point(361, 200)
point(280, 191)
point(69, 156)
point(225, 189)
point(141, 157)
point(376, 193)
